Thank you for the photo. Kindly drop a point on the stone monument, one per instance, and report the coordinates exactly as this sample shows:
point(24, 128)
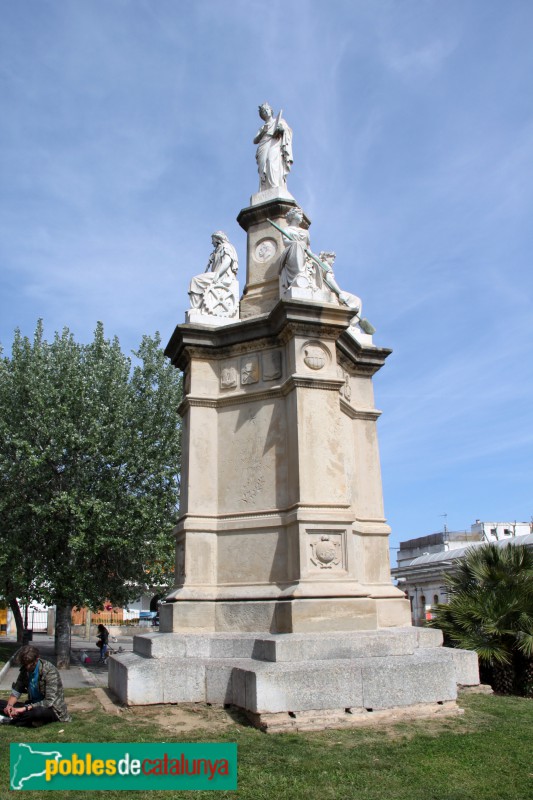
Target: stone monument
point(283, 603)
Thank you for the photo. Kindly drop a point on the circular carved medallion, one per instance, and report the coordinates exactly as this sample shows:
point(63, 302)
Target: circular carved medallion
point(265, 250)
point(315, 356)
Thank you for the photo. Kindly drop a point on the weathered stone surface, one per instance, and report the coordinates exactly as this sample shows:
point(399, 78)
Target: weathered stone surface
point(282, 673)
point(298, 687)
point(316, 647)
point(189, 645)
point(425, 677)
point(159, 645)
point(143, 681)
point(466, 665)
point(393, 612)
point(187, 616)
point(429, 637)
point(348, 718)
point(136, 680)
point(219, 680)
point(183, 680)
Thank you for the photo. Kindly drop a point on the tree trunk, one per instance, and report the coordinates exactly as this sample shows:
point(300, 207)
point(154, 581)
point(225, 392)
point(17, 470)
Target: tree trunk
point(15, 608)
point(62, 639)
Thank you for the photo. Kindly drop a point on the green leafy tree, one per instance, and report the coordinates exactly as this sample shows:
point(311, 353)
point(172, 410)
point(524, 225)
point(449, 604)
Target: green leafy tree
point(490, 610)
point(89, 466)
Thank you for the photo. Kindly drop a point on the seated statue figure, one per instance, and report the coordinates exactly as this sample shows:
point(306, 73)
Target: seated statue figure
point(294, 261)
point(301, 268)
point(360, 327)
point(327, 259)
point(216, 291)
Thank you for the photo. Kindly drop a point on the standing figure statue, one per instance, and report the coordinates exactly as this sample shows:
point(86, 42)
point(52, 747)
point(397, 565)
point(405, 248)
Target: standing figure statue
point(216, 291)
point(274, 150)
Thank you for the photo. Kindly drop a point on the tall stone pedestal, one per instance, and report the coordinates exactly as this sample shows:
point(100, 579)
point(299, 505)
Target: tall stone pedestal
point(283, 602)
point(282, 526)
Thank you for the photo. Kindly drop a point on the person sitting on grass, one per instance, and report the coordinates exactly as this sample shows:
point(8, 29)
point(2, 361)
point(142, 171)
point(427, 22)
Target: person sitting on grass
point(46, 699)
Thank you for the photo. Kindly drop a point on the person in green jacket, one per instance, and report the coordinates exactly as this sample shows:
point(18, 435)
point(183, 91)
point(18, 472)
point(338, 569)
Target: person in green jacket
point(42, 682)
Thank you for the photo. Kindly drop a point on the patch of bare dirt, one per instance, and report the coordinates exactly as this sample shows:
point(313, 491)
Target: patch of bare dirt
point(183, 717)
point(80, 702)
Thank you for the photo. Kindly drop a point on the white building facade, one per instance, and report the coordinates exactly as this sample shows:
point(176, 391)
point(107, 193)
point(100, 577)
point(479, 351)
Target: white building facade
point(423, 562)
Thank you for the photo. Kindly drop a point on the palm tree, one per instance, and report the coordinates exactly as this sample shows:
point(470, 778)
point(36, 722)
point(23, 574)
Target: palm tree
point(491, 611)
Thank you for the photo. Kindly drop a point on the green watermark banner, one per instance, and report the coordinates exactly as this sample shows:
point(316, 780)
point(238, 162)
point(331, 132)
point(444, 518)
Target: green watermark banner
point(131, 766)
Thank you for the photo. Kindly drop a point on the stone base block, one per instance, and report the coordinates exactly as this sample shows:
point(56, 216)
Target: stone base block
point(339, 718)
point(427, 676)
point(393, 612)
point(274, 616)
point(429, 637)
point(297, 687)
point(282, 647)
point(466, 666)
point(141, 681)
point(367, 683)
point(313, 674)
point(196, 317)
point(319, 647)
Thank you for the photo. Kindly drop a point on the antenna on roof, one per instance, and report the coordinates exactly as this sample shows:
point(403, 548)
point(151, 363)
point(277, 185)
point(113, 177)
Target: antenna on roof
point(445, 526)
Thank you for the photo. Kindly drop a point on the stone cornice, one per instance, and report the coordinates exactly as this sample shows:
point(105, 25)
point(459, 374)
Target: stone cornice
point(370, 414)
point(364, 360)
point(286, 318)
point(311, 382)
point(278, 207)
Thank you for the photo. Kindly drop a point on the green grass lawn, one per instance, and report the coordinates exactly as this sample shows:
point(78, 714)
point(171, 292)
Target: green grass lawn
point(485, 754)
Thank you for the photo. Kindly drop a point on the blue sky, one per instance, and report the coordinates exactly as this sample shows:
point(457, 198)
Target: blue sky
point(126, 139)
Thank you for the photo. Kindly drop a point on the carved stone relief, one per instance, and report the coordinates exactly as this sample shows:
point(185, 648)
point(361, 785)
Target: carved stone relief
point(228, 377)
point(180, 562)
point(265, 250)
point(271, 365)
point(346, 389)
point(252, 466)
point(249, 370)
point(315, 355)
point(326, 550)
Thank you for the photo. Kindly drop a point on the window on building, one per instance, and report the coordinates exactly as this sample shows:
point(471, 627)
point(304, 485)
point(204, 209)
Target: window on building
point(494, 532)
point(506, 532)
point(435, 599)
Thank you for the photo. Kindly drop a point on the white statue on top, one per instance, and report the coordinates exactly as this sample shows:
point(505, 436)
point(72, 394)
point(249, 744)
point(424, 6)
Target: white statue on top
point(274, 150)
point(215, 293)
point(302, 274)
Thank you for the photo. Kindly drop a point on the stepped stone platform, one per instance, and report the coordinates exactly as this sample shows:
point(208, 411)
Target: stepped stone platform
point(299, 680)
